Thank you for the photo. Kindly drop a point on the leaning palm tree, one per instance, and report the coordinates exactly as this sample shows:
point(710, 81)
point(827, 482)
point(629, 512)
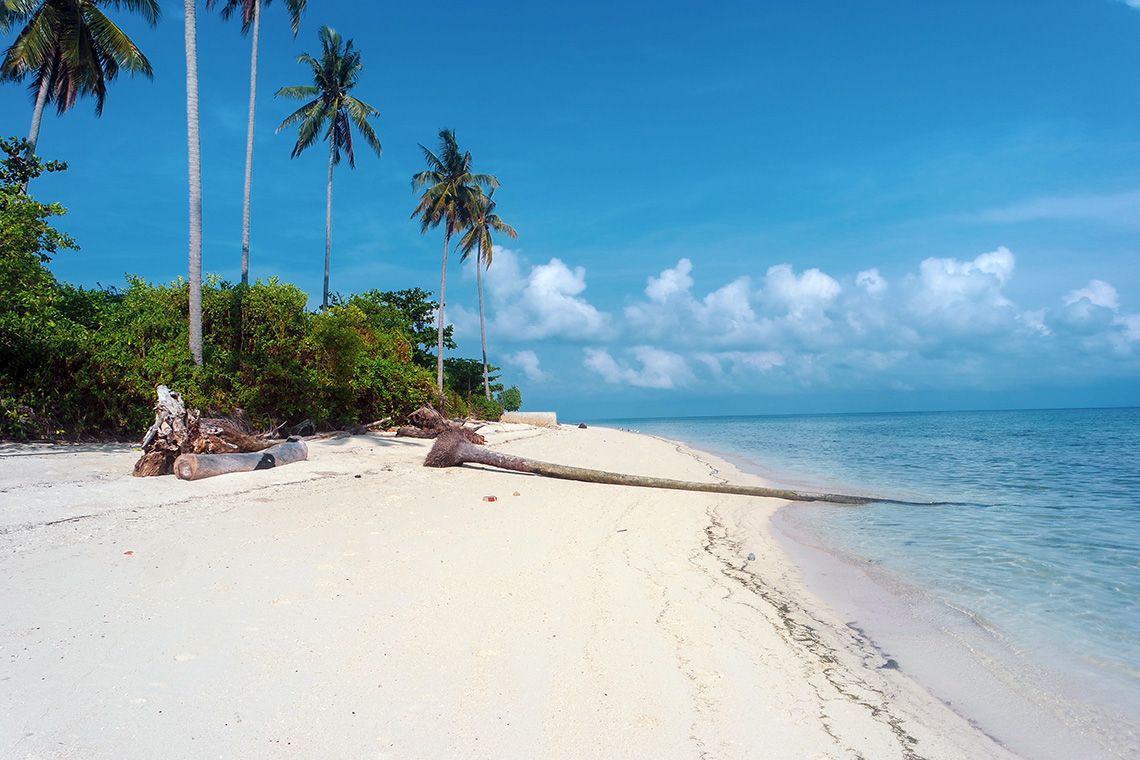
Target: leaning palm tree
point(251, 19)
point(194, 154)
point(450, 190)
point(71, 49)
point(333, 110)
point(482, 222)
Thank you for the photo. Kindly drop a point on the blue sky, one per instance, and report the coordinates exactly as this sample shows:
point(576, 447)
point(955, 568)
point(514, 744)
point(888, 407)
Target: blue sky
point(723, 208)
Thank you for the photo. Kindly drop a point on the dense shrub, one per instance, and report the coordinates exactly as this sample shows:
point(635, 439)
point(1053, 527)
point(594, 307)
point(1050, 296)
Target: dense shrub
point(89, 363)
point(78, 362)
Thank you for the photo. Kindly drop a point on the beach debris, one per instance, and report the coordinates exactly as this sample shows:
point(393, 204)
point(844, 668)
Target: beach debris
point(199, 466)
point(537, 419)
point(751, 557)
point(452, 450)
point(490, 498)
point(428, 423)
point(177, 430)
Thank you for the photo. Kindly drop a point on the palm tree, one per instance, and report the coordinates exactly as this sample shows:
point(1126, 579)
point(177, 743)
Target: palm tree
point(72, 48)
point(194, 153)
point(331, 106)
point(482, 222)
point(449, 192)
point(12, 11)
point(251, 19)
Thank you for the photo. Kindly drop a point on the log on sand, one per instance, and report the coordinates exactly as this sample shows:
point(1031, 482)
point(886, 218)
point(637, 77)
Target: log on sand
point(198, 466)
point(452, 450)
point(178, 430)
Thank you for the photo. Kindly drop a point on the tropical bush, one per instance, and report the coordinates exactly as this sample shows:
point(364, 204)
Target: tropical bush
point(78, 362)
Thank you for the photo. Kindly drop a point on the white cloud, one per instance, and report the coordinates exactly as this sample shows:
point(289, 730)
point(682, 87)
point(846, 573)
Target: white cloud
point(948, 324)
point(725, 315)
point(871, 282)
point(964, 294)
point(803, 296)
point(527, 362)
point(659, 369)
point(545, 302)
point(1097, 292)
point(675, 281)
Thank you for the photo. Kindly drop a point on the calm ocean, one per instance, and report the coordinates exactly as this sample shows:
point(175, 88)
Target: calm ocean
point(1040, 541)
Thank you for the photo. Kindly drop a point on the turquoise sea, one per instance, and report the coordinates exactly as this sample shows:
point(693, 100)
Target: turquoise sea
point(1038, 541)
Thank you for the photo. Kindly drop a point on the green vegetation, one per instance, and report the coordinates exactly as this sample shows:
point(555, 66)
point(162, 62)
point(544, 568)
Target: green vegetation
point(510, 399)
point(85, 362)
point(77, 362)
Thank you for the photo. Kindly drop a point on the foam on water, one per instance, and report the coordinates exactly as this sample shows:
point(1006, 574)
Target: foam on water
point(1035, 565)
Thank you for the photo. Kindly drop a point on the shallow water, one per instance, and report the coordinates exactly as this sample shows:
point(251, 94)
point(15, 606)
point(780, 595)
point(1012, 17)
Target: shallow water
point(1040, 543)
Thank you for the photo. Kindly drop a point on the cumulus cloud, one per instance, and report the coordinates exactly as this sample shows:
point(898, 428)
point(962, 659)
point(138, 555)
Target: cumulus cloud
point(659, 369)
point(723, 316)
point(544, 301)
point(802, 295)
point(950, 323)
point(1094, 313)
point(527, 362)
point(1097, 293)
point(871, 282)
point(965, 296)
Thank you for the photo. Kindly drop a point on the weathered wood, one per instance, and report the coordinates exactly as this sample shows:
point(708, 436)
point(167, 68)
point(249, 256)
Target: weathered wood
point(177, 430)
point(452, 451)
point(199, 466)
point(428, 423)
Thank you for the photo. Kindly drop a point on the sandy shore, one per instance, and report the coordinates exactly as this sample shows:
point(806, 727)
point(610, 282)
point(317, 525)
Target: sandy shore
point(358, 605)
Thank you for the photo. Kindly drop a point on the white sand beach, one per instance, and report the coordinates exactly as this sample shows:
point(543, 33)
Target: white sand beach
point(359, 605)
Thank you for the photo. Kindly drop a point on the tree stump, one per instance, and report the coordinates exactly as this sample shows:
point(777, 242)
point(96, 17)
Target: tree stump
point(177, 431)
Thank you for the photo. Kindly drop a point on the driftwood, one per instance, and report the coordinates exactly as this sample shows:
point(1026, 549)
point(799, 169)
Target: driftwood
point(199, 466)
point(428, 423)
point(178, 431)
point(452, 450)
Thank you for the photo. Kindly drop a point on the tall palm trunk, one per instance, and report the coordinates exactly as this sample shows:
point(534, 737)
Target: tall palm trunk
point(482, 326)
point(37, 117)
point(328, 224)
point(439, 324)
point(195, 160)
point(249, 146)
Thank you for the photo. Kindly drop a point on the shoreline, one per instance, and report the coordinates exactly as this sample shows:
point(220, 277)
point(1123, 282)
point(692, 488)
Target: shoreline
point(358, 603)
point(1037, 712)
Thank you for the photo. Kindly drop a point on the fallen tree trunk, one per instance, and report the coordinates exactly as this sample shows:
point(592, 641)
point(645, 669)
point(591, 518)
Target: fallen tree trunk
point(452, 451)
point(199, 466)
point(177, 430)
